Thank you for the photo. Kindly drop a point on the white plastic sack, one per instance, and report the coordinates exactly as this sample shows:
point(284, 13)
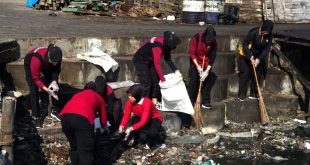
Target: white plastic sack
point(174, 95)
point(98, 57)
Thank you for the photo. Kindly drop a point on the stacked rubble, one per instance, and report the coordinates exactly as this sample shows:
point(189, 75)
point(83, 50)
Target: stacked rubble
point(51, 4)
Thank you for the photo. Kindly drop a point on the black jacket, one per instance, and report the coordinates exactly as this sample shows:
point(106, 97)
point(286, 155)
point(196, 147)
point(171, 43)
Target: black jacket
point(260, 46)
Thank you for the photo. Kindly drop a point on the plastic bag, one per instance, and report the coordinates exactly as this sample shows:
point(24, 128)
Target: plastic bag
point(174, 95)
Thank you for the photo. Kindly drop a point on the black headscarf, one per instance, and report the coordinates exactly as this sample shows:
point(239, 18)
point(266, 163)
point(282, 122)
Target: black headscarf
point(209, 34)
point(55, 53)
point(101, 86)
point(137, 91)
point(267, 26)
point(171, 40)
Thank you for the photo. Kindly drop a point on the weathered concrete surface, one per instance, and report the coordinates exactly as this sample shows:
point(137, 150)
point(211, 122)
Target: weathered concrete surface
point(214, 118)
point(278, 106)
point(246, 111)
point(77, 72)
point(281, 106)
point(279, 82)
point(116, 45)
point(219, 89)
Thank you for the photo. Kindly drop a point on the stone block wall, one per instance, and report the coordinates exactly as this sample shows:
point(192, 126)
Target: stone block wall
point(287, 11)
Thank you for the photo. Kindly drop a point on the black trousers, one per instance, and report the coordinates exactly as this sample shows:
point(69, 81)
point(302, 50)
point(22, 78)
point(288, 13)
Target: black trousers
point(193, 85)
point(80, 134)
point(148, 77)
point(246, 74)
point(114, 113)
point(151, 133)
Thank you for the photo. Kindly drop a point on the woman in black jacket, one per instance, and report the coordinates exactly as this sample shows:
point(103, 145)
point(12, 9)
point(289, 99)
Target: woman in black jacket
point(255, 48)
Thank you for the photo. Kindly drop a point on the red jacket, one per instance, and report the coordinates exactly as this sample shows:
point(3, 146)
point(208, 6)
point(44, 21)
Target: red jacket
point(151, 51)
point(198, 51)
point(87, 103)
point(146, 111)
point(36, 66)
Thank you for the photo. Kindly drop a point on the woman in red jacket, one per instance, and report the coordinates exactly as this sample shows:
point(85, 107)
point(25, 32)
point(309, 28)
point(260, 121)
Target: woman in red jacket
point(148, 66)
point(114, 104)
point(147, 119)
point(40, 61)
point(77, 120)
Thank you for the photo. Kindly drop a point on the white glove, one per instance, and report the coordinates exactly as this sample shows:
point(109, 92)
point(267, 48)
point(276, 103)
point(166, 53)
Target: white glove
point(178, 73)
point(256, 62)
point(52, 93)
point(204, 75)
point(252, 60)
point(120, 129)
point(199, 69)
point(128, 131)
point(54, 86)
point(161, 83)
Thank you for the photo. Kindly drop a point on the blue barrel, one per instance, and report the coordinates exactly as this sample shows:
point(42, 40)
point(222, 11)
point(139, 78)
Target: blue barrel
point(31, 3)
point(213, 8)
point(193, 11)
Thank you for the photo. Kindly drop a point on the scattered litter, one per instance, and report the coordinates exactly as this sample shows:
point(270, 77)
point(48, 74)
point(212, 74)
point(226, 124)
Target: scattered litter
point(210, 162)
point(208, 130)
point(189, 139)
point(155, 18)
point(307, 145)
point(201, 23)
point(98, 57)
point(16, 94)
point(300, 121)
point(52, 14)
point(170, 18)
point(122, 84)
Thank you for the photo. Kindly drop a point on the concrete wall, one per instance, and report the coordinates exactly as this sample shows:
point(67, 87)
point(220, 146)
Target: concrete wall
point(115, 46)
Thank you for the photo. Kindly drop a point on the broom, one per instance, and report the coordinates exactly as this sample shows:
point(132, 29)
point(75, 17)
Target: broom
point(262, 108)
point(197, 107)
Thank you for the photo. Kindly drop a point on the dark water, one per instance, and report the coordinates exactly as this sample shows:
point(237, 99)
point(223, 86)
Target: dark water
point(249, 145)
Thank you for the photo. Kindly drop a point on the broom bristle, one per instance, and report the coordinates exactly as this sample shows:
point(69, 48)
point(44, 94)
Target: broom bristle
point(263, 111)
point(197, 111)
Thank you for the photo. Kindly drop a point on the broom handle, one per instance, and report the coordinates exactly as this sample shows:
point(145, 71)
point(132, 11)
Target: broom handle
point(256, 80)
point(202, 67)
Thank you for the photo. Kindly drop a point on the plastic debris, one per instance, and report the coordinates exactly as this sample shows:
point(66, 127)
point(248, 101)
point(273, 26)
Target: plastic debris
point(307, 145)
point(188, 139)
point(170, 18)
point(300, 121)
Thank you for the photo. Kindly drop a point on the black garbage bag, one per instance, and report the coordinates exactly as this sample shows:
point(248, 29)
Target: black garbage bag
point(109, 147)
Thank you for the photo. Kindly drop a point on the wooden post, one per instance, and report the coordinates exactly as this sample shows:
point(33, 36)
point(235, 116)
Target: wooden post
point(7, 125)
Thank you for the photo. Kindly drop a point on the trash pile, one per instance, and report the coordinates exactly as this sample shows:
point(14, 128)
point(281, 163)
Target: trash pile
point(275, 143)
point(131, 8)
point(138, 11)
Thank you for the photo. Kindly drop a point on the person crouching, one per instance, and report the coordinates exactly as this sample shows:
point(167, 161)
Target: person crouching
point(77, 120)
point(146, 119)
